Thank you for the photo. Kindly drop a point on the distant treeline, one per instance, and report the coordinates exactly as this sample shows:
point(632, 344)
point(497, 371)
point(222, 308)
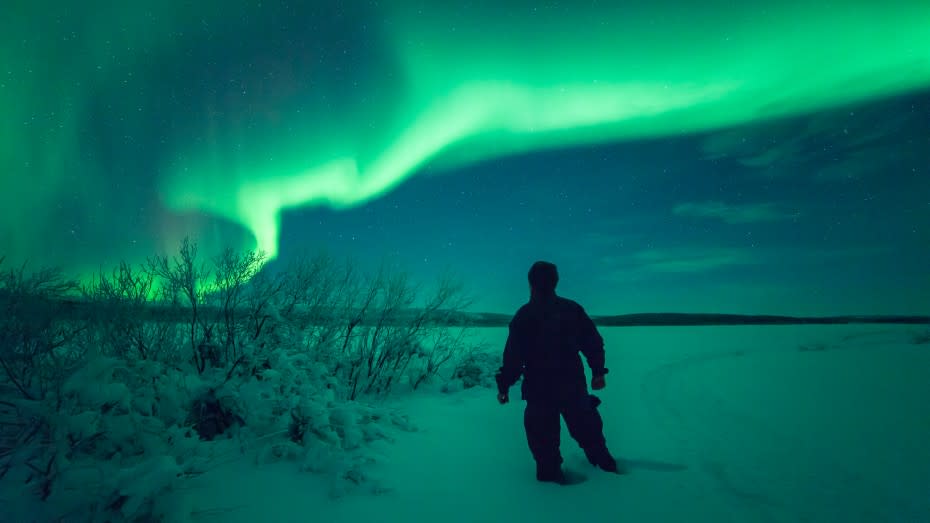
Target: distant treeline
point(673, 319)
point(79, 309)
point(680, 319)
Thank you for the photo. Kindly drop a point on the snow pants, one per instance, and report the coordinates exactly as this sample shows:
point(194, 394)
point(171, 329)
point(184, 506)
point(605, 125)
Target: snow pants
point(543, 427)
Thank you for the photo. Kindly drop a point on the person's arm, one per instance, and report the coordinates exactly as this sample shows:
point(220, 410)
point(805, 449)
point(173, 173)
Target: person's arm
point(512, 366)
point(591, 344)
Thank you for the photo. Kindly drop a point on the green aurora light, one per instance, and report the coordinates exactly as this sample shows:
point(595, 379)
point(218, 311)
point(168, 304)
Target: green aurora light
point(454, 86)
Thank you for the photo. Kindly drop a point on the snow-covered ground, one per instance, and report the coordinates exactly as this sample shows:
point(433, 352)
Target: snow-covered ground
point(743, 424)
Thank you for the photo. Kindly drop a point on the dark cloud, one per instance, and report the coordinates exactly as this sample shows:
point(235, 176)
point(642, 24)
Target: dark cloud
point(847, 143)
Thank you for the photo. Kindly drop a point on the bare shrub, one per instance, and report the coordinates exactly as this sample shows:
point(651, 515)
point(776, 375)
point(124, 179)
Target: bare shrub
point(389, 336)
point(36, 328)
point(182, 279)
point(121, 303)
point(135, 369)
point(232, 272)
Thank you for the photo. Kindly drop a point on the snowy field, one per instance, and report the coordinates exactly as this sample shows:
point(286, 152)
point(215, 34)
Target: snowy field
point(742, 424)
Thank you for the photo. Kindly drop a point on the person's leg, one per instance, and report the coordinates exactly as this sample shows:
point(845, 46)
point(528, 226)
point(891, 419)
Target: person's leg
point(541, 420)
point(587, 428)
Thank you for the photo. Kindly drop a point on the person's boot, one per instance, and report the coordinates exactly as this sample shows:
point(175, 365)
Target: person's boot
point(604, 461)
point(550, 474)
point(592, 458)
point(609, 464)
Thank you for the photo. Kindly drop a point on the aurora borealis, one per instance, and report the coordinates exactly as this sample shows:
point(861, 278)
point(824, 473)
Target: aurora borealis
point(284, 127)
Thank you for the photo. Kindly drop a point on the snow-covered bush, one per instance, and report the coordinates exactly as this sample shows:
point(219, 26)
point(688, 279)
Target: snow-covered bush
point(112, 398)
point(295, 399)
point(98, 451)
point(476, 369)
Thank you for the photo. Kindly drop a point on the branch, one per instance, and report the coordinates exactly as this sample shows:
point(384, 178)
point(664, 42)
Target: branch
point(13, 379)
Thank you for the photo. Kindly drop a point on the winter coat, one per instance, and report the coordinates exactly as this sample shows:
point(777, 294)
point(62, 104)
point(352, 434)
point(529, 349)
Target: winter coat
point(543, 344)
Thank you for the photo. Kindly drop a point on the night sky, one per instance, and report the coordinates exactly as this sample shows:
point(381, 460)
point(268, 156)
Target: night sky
point(724, 157)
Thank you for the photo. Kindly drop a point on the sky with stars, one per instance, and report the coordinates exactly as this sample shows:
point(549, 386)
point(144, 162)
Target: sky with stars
point(765, 157)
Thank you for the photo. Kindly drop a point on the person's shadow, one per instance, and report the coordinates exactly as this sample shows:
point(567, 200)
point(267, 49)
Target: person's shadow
point(655, 466)
point(628, 465)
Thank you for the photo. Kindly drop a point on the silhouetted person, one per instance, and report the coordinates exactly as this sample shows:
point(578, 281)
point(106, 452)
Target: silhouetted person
point(545, 337)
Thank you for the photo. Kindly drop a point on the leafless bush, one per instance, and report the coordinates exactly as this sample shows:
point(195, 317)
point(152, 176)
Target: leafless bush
point(387, 337)
point(37, 356)
point(121, 303)
point(371, 331)
point(367, 347)
point(36, 330)
point(318, 290)
point(233, 271)
point(444, 343)
point(182, 278)
point(318, 324)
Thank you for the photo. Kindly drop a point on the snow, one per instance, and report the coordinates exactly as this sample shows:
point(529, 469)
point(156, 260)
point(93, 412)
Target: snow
point(776, 423)
point(714, 423)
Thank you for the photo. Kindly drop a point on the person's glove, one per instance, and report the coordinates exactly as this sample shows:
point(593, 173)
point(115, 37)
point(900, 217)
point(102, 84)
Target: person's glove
point(598, 382)
point(503, 398)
